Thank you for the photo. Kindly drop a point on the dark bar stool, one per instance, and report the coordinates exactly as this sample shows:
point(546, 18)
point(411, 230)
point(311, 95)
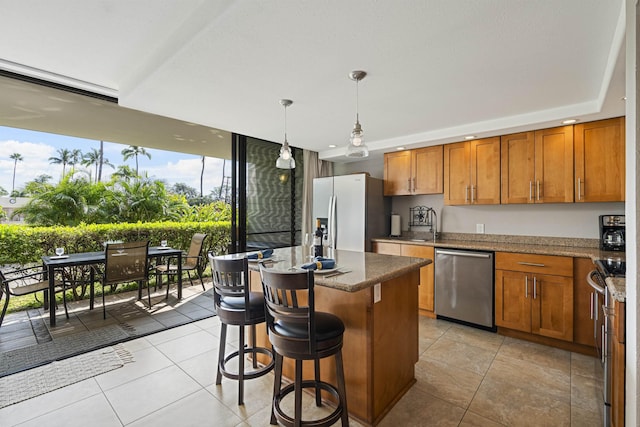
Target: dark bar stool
point(237, 306)
point(298, 332)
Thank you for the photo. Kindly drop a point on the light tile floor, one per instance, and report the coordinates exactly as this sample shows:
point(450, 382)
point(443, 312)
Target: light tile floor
point(465, 377)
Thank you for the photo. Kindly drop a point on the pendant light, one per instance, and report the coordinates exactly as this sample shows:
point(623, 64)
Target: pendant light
point(285, 160)
point(357, 147)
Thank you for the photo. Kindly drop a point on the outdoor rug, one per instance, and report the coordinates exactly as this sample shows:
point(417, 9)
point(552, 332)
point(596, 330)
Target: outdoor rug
point(86, 330)
point(34, 382)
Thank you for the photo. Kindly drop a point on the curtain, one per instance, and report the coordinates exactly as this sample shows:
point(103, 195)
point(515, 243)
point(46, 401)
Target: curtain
point(313, 168)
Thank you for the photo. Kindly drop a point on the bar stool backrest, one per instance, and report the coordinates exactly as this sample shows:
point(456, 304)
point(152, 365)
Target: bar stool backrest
point(290, 302)
point(230, 279)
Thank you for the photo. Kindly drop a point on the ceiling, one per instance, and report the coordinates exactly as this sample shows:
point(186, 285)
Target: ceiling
point(188, 72)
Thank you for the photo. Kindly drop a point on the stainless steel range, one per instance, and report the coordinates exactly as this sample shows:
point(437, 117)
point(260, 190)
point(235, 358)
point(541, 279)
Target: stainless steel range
point(601, 310)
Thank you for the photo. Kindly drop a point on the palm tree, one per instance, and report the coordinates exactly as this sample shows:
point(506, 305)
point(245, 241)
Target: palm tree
point(224, 164)
point(201, 177)
point(134, 151)
point(17, 157)
point(124, 173)
point(65, 157)
point(94, 158)
point(76, 156)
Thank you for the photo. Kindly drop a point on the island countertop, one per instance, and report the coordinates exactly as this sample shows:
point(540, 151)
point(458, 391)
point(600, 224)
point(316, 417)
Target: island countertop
point(358, 270)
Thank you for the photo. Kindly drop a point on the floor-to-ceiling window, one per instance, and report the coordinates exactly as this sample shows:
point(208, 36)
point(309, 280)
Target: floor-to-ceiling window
point(268, 200)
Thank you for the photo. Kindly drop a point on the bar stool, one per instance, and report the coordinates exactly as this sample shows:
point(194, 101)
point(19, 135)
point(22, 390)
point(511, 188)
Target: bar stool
point(236, 306)
point(298, 332)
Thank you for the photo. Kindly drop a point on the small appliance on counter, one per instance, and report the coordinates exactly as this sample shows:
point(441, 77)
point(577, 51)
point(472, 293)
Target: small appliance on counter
point(396, 230)
point(612, 232)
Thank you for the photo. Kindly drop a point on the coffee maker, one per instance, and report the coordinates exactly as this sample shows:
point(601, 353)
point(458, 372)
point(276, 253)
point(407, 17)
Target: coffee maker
point(612, 233)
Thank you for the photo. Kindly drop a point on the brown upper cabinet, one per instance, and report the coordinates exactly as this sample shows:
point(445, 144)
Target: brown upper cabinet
point(413, 172)
point(472, 172)
point(537, 167)
point(599, 161)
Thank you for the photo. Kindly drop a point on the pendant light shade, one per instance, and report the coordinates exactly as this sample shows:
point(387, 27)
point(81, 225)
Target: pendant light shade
point(357, 147)
point(285, 160)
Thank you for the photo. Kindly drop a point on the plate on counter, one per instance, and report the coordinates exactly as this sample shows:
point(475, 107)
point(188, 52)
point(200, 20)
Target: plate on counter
point(259, 259)
point(326, 270)
point(323, 271)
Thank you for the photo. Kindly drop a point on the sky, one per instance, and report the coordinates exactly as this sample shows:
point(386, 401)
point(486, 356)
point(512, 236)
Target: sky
point(36, 148)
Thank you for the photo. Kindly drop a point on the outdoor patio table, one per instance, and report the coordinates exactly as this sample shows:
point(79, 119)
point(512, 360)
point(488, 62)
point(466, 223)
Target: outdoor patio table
point(52, 263)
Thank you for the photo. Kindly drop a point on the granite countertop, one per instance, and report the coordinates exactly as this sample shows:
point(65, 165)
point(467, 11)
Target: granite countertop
point(577, 248)
point(618, 288)
point(359, 270)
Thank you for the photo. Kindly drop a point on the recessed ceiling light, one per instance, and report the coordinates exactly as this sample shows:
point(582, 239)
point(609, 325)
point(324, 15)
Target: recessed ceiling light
point(399, 148)
point(470, 137)
point(333, 146)
point(568, 122)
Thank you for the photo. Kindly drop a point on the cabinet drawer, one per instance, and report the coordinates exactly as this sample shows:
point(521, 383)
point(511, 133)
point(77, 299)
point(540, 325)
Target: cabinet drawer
point(386, 248)
point(541, 264)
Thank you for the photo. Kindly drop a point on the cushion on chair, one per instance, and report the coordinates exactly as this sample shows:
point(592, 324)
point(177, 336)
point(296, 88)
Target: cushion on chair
point(256, 302)
point(328, 327)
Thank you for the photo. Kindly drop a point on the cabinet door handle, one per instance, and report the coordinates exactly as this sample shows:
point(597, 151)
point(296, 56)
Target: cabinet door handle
point(526, 286)
point(579, 188)
point(414, 184)
point(409, 185)
point(538, 190)
point(531, 264)
point(530, 190)
point(591, 306)
point(535, 282)
point(466, 193)
point(472, 193)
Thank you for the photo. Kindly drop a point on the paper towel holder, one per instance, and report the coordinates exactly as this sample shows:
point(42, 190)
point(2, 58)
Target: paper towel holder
point(396, 230)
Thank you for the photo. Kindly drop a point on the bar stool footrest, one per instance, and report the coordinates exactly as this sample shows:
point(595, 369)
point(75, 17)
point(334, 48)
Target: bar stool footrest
point(329, 420)
point(250, 374)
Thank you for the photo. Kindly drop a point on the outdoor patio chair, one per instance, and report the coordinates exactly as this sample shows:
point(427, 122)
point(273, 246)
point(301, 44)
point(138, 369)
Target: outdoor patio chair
point(24, 281)
point(126, 262)
point(194, 261)
point(74, 278)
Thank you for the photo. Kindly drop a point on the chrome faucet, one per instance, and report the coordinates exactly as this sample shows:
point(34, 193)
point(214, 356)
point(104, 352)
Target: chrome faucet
point(434, 223)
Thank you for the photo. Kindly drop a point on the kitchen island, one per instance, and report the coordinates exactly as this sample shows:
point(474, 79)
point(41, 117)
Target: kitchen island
point(376, 297)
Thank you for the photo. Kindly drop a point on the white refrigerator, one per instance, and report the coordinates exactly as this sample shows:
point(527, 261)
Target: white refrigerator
point(353, 210)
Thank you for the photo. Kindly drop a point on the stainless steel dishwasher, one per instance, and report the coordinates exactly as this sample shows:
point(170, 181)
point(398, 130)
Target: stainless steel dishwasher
point(464, 287)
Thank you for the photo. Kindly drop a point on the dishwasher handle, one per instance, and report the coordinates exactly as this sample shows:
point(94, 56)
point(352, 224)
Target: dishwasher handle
point(462, 253)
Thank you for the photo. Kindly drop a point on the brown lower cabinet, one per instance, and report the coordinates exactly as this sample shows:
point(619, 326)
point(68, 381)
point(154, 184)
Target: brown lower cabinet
point(426, 288)
point(534, 294)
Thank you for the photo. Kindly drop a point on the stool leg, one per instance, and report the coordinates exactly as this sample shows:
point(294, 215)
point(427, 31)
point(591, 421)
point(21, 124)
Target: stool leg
point(342, 391)
point(316, 366)
point(277, 385)
point(223, 341)
point(241, 367)
point(253, 346)
point(298, 394)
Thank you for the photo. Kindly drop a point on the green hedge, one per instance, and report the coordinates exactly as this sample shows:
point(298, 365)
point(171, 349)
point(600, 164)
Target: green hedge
point(22, 244)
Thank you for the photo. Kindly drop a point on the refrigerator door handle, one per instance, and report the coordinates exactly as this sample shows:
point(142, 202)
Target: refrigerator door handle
point(332, 222)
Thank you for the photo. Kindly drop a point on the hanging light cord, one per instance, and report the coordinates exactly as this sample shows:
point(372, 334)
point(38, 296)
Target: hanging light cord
point(357, 101)
point(285, 124)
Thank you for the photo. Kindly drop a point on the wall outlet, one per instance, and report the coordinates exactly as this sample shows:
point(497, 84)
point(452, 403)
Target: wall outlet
point(377, 293)
point(480, 228)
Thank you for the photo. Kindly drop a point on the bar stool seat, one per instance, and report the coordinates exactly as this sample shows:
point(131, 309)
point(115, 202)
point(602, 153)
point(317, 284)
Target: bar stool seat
point(298, 332)
point(236, 306)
